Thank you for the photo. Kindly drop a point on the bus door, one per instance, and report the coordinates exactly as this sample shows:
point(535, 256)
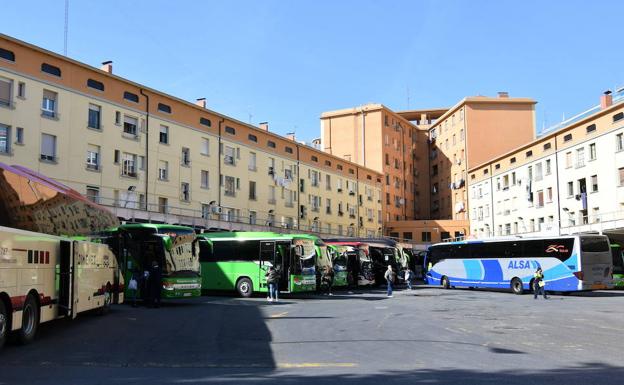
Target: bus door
point(66, 280)
point(283, 259)
point(267, 259)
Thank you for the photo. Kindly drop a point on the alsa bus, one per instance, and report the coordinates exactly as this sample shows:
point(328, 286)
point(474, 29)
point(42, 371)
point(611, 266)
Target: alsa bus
point(137, 245)
point(569, 263)
point(239, 261)
point(48, 276)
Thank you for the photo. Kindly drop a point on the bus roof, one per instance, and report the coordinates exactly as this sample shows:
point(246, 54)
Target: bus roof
point(511, 239)
point(254, 235)
point(129, 226)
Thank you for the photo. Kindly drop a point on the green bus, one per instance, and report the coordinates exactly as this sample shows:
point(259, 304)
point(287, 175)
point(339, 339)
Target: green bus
point(239, 261)
point(618, 266)
point(173, 247)
point(339, 259)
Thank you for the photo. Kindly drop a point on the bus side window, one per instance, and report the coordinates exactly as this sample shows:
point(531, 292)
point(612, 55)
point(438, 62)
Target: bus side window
point(206, 253)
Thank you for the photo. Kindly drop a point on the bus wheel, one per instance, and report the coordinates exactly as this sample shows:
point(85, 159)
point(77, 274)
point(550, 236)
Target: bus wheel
point(244, 287)
point(4, 323)
point(516, 286)
point(30, 320)
point(445, 283)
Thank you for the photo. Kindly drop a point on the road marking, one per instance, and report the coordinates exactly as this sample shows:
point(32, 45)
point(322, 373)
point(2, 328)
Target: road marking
point(284, 365)
point(278, 315)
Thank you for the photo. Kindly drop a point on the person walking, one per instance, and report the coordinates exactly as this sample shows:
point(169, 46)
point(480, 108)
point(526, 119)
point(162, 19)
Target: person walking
point(272, 278)
point(389, 276)
point(145, 286)
point(409, 275)
point(328, 279)
point(133, 287)
point(155, 279)
point(539, 285)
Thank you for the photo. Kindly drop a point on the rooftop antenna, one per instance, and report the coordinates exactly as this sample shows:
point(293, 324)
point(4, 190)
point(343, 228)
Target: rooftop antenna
point(66, 27)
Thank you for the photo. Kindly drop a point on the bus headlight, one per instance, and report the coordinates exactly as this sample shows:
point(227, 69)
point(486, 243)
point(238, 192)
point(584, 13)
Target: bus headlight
point(167, 286)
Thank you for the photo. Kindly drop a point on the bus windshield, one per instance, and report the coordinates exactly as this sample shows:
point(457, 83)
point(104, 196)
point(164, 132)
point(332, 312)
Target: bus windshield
point(308, 256)
point(179, 257)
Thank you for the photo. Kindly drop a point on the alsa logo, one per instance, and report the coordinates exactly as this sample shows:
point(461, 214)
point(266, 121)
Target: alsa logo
point(556, 249)
point(523, 264)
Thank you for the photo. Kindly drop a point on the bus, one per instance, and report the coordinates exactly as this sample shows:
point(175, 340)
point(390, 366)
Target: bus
point(137, 245)
point(618, 266)
point(239, 261)
point(339, 259)
point(570, 263)
point(358, 261)
point(45, 274)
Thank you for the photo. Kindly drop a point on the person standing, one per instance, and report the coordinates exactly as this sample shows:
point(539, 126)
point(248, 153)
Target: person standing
point(389, 276)
point(328, 279)
point(133, 287)
point(145, 286)
point(272, 278)
point(539, 285)
point(409, 275)
point(155, 279)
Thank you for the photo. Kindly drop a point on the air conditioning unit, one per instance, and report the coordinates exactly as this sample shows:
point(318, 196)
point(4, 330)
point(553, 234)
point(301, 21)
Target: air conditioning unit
point(229, 159)
point(351, 192)
point(339, 190)
point(271, 171)
point(217, 209)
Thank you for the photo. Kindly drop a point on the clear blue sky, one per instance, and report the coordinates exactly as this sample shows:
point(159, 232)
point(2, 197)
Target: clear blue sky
point(287, 61)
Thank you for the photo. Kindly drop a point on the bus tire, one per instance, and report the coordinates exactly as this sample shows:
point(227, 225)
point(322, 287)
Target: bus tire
point(108, 300)
point(516, 286)
point(30, 320)
point(244, 287)
point(5, 325)
point(445, 283)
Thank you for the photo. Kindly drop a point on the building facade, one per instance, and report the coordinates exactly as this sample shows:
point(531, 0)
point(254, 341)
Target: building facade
point(153, 157)
point(568, 180)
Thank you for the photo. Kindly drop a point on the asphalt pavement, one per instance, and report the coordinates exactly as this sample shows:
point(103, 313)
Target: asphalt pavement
point(423, 336)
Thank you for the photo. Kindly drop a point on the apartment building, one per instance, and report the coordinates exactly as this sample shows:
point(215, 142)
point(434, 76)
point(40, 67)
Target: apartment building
point(568, 180)
point(153, 157)
point(376, 137)
point(472, 131)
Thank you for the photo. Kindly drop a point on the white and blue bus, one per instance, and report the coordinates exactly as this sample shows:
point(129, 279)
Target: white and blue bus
point(570, 263)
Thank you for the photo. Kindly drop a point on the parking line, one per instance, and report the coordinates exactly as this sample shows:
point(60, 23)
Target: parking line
point(317, 365)
point(278, 315)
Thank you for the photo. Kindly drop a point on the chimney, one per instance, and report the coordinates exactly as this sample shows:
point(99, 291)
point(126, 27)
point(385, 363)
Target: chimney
point(107, 66)
point(290, 136)
point(264, 126)
point(201, 102)
point(606, 100)
point(503, 94)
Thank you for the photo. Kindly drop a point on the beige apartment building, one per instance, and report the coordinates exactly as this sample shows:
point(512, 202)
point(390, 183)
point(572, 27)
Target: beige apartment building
point(153, 157)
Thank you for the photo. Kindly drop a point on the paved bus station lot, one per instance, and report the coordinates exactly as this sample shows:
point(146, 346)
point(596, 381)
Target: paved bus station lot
point(427, 335)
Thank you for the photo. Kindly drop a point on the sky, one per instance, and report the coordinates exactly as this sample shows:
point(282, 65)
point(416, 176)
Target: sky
point(286, 62)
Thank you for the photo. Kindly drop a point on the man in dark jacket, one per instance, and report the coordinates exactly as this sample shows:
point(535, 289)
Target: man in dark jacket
point(272, 278)
point(155, 280)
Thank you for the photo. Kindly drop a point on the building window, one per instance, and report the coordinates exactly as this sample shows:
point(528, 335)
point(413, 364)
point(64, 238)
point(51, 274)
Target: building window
point(230, 156)
point(205, 146)
point(548, 167)
point(426, 236)
point(205, 179)
point(5, 139)
point(128, 166)
point(592, 151)
point(617, 117)
point(529, 154)
point(314, 177)
point(549, 195)
point(314, 158)
point(19, 135)
point(252, 162)
point(619, 142)
point(50, 69)
point(131, 97)
point(48, 147)
point(594, 183)
point(186, 156)
point(568, 159)
point(48, 104)
point(93, 157)
point(91, 83)
point(230, 130)
point(590, 128)
point(130, 125)
point(252, 138)
point(339, 167)
point(164, 135)
point(163, 205)
point(185, 192)
point(230, 186)
point(116, 157)
point(570, 189)
point(21, 90)
point(540, 199)
point(93, 194)
point(288, 150)
point(621, 175)
point(7, 55)
point(271, 144)
point(547, 146)
point(95, 116)
point(252, 190)
point(6, 86)
point(164, 108)
point(538, 171)
point(580, 157)
point(567, 138)
point(163, 170)
point(205, 122)
point(497, 166)
point(117, 118)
